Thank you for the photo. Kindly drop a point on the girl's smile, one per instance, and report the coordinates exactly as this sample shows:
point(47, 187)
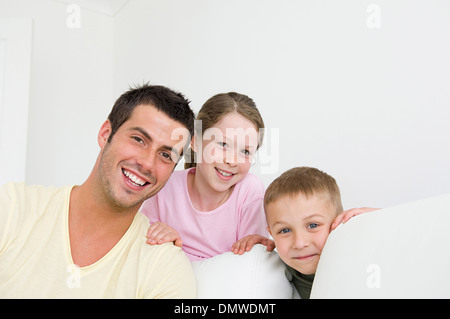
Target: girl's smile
point(224, 175)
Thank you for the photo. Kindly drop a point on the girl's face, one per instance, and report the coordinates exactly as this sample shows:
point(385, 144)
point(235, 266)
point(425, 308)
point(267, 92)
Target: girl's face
point(227, 151)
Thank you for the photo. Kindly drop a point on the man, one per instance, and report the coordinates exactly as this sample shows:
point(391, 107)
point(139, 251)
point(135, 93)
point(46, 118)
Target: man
point(89, 241)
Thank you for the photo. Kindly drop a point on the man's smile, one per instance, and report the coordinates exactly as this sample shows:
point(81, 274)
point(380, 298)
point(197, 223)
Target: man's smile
point(134, 179)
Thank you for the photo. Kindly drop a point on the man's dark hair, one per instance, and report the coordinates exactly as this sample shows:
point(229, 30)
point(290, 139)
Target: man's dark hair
point(172, 103)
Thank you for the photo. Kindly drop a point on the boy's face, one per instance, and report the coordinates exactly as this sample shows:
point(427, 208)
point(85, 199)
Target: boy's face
point(300, 227)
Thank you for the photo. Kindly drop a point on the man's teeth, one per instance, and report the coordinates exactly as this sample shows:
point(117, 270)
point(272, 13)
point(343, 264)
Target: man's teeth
point(134, 178)
point(223, 173)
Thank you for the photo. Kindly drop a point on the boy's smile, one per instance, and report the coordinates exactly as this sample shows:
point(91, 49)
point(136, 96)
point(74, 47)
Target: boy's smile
point(300, 226)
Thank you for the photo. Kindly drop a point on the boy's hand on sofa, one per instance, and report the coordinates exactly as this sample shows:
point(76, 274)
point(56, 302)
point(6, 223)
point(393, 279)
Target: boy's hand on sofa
point(345, 216)
point(246, 244)
point(160, 233)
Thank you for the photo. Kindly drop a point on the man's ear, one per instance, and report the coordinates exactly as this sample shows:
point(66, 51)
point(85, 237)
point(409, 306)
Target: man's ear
point(194, 144)
point(104, 133)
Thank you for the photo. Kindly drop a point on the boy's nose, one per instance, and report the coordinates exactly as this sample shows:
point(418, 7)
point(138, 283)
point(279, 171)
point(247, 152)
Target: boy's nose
point(301, 240)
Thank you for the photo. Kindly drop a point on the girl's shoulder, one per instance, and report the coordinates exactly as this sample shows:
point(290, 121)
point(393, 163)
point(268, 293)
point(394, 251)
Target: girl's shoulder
point(176, 182)
point(251, 184)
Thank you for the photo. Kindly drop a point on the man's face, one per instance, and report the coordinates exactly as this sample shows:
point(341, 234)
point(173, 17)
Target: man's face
point(141, 156)
point(300, 226)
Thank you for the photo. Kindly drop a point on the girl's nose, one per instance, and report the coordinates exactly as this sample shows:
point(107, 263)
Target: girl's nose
point(231, 157)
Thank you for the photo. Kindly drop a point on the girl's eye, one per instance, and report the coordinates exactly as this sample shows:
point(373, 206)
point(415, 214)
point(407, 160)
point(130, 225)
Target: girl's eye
point(313, 225)
point(246, 152)
point(223, 144)
point(284, 231)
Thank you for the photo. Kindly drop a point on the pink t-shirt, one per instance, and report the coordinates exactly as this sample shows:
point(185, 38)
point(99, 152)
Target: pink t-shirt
point(207, 234)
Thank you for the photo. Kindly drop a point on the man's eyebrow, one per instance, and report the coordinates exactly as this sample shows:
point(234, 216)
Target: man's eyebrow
point(142, 131)
point(147, 136)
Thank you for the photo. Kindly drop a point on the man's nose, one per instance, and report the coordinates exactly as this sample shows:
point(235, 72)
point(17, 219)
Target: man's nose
point(147, 161)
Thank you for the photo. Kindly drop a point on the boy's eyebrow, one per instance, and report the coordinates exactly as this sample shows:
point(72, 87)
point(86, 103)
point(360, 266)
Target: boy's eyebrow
point(279, 222)
point(147, 136)
point(312, 215)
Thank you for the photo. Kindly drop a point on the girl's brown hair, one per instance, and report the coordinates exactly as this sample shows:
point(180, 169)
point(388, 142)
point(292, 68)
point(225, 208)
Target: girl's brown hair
point(220, 105)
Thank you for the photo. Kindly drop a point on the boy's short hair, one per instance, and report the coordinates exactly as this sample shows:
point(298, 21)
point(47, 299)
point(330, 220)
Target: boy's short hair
point(306, 180)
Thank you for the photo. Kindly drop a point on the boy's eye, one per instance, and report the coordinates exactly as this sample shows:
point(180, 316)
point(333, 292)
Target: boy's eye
point(284, 231)
point(312, 226)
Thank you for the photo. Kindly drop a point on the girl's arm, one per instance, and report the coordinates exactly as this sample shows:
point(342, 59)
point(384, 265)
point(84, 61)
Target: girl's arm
point(245, 244)
point(345, 216)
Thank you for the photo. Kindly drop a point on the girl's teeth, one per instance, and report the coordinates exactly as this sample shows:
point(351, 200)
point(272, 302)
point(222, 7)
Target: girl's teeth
point(223, 173)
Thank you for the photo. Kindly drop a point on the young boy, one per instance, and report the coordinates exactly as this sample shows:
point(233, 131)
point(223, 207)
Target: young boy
point(302, 206)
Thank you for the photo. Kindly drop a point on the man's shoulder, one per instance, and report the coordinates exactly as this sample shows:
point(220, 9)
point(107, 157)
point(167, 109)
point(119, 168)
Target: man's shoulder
point(14, 189)
point(165, 266)
point(165, 252)
point(19, 198)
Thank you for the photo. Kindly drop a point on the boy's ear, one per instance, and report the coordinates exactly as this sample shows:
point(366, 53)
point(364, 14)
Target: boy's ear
point(104, 133)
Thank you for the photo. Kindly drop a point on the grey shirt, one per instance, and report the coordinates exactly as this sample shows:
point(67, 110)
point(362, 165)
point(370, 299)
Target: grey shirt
point(303, 283)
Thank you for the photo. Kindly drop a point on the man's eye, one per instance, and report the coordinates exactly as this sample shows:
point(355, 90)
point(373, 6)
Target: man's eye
point(166, 156)
point(138, 139)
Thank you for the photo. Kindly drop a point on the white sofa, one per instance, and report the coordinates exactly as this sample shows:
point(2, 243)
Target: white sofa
point(257, 274)
point(397, 252)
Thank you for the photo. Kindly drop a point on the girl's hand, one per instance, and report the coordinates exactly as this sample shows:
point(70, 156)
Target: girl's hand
point(345, 216)
point(160, 233)
point(246, 244)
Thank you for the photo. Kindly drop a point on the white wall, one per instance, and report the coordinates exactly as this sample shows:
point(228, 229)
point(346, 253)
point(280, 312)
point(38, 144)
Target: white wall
point(15, 59)
point(368, 105)
point(70, 89)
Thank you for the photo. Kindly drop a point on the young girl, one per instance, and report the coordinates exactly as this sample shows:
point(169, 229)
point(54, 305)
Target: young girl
point(215, 204)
